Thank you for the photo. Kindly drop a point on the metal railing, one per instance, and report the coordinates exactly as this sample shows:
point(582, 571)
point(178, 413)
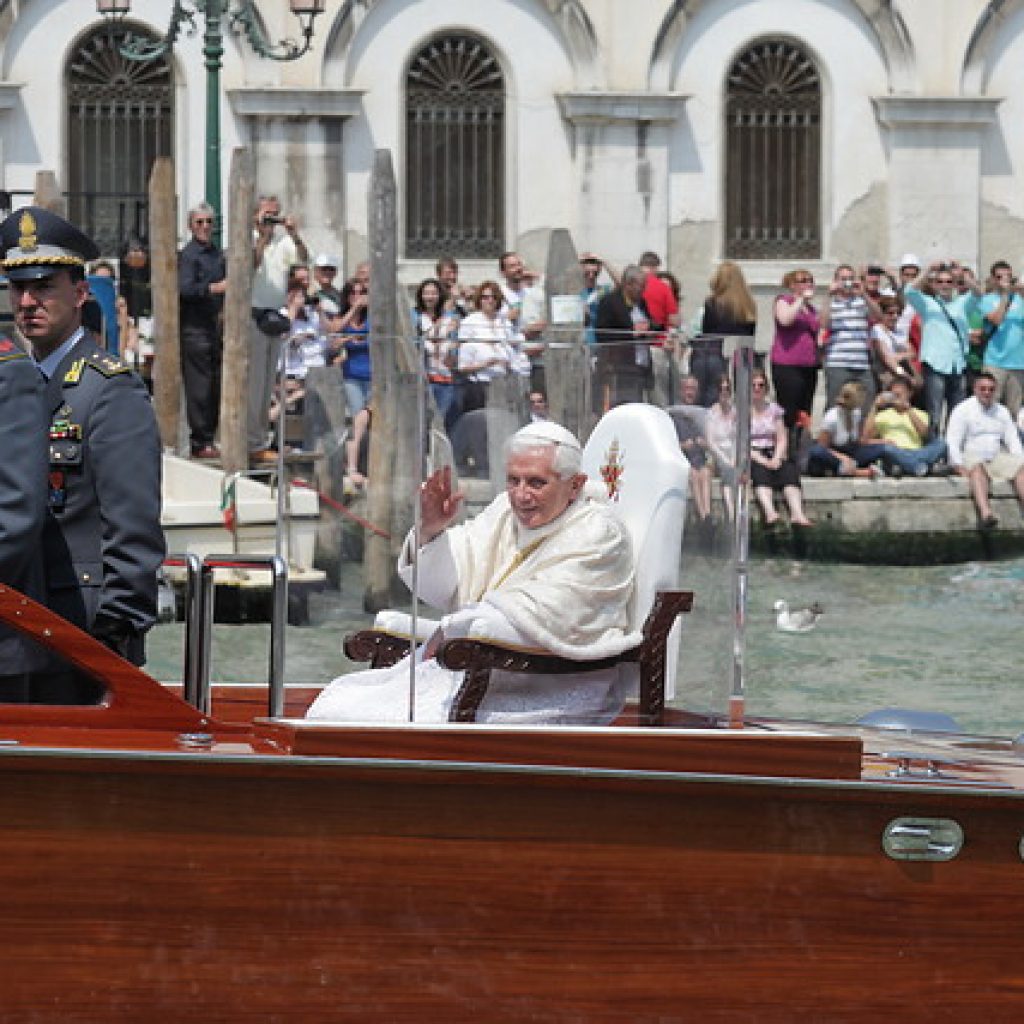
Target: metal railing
point(199, 608)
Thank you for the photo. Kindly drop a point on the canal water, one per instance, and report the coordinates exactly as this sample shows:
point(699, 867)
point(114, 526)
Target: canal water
point(940, 638)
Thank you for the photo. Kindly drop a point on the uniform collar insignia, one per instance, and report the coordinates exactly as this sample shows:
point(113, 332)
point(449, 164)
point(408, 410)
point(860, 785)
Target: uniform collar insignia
point(74, 373)
point(29, 240)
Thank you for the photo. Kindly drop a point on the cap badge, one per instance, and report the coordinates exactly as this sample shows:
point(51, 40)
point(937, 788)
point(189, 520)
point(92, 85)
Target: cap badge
point(29, 240)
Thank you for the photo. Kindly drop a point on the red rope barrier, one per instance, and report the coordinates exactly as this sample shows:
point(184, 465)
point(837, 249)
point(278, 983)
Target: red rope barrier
point(342, 509)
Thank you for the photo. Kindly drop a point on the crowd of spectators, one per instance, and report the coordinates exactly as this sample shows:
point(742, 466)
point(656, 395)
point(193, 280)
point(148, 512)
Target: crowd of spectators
point(923, 370)
point(922, 366)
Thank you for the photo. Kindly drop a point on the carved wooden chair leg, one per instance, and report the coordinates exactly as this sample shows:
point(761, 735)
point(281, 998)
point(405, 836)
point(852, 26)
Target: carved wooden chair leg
point(668, 604)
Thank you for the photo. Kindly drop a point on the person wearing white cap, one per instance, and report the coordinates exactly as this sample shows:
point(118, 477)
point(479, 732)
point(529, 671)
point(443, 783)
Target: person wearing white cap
point(325, 270)
point(543, 566)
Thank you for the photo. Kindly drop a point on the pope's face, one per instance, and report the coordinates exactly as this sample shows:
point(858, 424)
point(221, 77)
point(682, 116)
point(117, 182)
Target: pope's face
point(538, 495)
point(48, 310)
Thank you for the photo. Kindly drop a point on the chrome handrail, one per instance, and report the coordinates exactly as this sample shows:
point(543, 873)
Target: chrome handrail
point(193, 622)
point(278, 621)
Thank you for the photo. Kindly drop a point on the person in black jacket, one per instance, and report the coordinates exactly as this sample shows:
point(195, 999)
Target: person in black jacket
point(201, 286)
point(102, 543)
point(621, 328)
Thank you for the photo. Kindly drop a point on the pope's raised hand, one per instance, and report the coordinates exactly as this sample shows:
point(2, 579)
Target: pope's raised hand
point(439, 504)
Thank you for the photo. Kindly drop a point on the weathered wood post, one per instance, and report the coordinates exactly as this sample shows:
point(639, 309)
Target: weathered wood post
point(163, 241)
point(47, 193)
point(566, 362)
point(234, 392)
point(394, 469)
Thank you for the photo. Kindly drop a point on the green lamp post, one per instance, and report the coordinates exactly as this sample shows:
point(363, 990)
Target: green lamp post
point(242, 17)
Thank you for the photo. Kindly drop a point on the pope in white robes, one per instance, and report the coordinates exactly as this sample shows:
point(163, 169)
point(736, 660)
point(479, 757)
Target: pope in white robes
point(544, 566)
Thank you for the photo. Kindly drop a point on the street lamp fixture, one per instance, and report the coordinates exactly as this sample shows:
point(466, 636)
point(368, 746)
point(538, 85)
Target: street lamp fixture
point(243, 19)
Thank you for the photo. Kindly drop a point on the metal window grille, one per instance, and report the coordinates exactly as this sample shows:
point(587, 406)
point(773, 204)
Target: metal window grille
point(455, 151)
point(773, 154)
point(120, 119)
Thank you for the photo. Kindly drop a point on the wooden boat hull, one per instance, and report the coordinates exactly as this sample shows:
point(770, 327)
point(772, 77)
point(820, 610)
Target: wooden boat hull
point(277, 888)
point(160, 864)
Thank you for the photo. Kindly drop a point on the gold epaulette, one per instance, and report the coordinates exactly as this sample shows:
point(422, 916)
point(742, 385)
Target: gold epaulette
point(107, 363)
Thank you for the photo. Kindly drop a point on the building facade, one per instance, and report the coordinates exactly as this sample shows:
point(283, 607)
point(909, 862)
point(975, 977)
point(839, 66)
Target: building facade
point(774, 132)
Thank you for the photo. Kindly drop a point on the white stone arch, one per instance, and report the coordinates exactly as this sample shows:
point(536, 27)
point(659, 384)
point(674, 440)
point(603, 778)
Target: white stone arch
point(987, 42)
point(537, 67)
point(568, 18)
point(885, 23)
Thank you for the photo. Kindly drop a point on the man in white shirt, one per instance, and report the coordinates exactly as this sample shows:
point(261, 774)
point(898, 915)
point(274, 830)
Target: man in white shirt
point(544, 566)
point(984, 446)
point(276, 251)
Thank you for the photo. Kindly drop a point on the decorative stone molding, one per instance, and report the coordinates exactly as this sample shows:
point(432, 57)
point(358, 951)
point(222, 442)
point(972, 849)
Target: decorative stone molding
point(602, 108)
point(933, 112)
point(297, 103)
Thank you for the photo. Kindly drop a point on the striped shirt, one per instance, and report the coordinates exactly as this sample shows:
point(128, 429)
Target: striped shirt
point(849, 338)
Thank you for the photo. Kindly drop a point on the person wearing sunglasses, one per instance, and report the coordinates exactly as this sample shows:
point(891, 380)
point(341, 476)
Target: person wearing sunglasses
point(771, 468)
point(202, 282)
point(945, 336)
point(490, 346)
point(846, 336)
point(794, 353)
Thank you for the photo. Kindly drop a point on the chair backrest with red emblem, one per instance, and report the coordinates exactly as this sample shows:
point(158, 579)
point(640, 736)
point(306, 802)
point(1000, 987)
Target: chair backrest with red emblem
point(634, 453)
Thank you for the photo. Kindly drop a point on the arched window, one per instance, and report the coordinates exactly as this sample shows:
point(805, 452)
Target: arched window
point(773, 154)
point(455, 151)
point(120, 118)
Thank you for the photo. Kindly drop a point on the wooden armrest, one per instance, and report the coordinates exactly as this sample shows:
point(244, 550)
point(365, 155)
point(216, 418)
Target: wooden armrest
point(380, 648)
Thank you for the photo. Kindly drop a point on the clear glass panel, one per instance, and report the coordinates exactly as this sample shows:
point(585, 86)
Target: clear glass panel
point(918, 602)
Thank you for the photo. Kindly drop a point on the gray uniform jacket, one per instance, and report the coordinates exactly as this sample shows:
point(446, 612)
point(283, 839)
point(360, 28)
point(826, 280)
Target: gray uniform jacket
point(22, 492)
point(103, 543)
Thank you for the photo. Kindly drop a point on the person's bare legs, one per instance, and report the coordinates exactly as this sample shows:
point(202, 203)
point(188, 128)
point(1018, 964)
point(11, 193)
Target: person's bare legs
point(767, 503)
point(1018, 486)
point(977, 477)
point(795, 502)
point(701, 483)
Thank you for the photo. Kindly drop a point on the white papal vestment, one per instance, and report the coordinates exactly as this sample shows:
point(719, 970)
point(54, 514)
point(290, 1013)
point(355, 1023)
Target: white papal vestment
point(565, 587)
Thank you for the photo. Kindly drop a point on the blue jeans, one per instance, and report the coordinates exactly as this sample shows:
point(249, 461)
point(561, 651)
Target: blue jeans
point(938, 388)
point(357, 394)
point(820, 459)
point(908, 459)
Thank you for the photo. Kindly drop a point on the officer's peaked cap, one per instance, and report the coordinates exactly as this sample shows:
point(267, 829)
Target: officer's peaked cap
point(37, 243)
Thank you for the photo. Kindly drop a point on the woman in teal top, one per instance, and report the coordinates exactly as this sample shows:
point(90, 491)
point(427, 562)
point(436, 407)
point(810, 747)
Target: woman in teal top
point(945, 334)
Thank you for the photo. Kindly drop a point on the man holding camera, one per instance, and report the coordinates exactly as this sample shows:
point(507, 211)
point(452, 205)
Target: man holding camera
point(846, 335)
point(1003, 310)
point(277, 247)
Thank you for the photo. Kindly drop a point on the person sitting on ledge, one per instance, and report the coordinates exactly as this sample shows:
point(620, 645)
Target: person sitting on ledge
point(902, 430)
point(838, 450)
point(771, 468)
point(984, 445)
point(544, 566)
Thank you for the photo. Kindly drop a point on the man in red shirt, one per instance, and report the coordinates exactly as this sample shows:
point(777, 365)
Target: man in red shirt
point(664, 312)
point(658, 297)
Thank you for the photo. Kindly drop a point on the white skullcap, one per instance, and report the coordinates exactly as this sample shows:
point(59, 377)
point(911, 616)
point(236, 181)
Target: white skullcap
point(567, 450)
point(547, 431)
point(910, 260)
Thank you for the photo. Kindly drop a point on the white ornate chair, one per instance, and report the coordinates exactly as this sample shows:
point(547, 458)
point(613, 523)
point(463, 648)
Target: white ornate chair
point(634, 453)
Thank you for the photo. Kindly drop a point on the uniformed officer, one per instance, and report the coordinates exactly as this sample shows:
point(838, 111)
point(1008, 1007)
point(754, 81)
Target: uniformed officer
point(102, 544)
point(22, 505)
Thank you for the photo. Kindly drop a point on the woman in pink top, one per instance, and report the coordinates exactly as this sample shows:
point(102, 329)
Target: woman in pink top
point(771, 469)
point(794, 354)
